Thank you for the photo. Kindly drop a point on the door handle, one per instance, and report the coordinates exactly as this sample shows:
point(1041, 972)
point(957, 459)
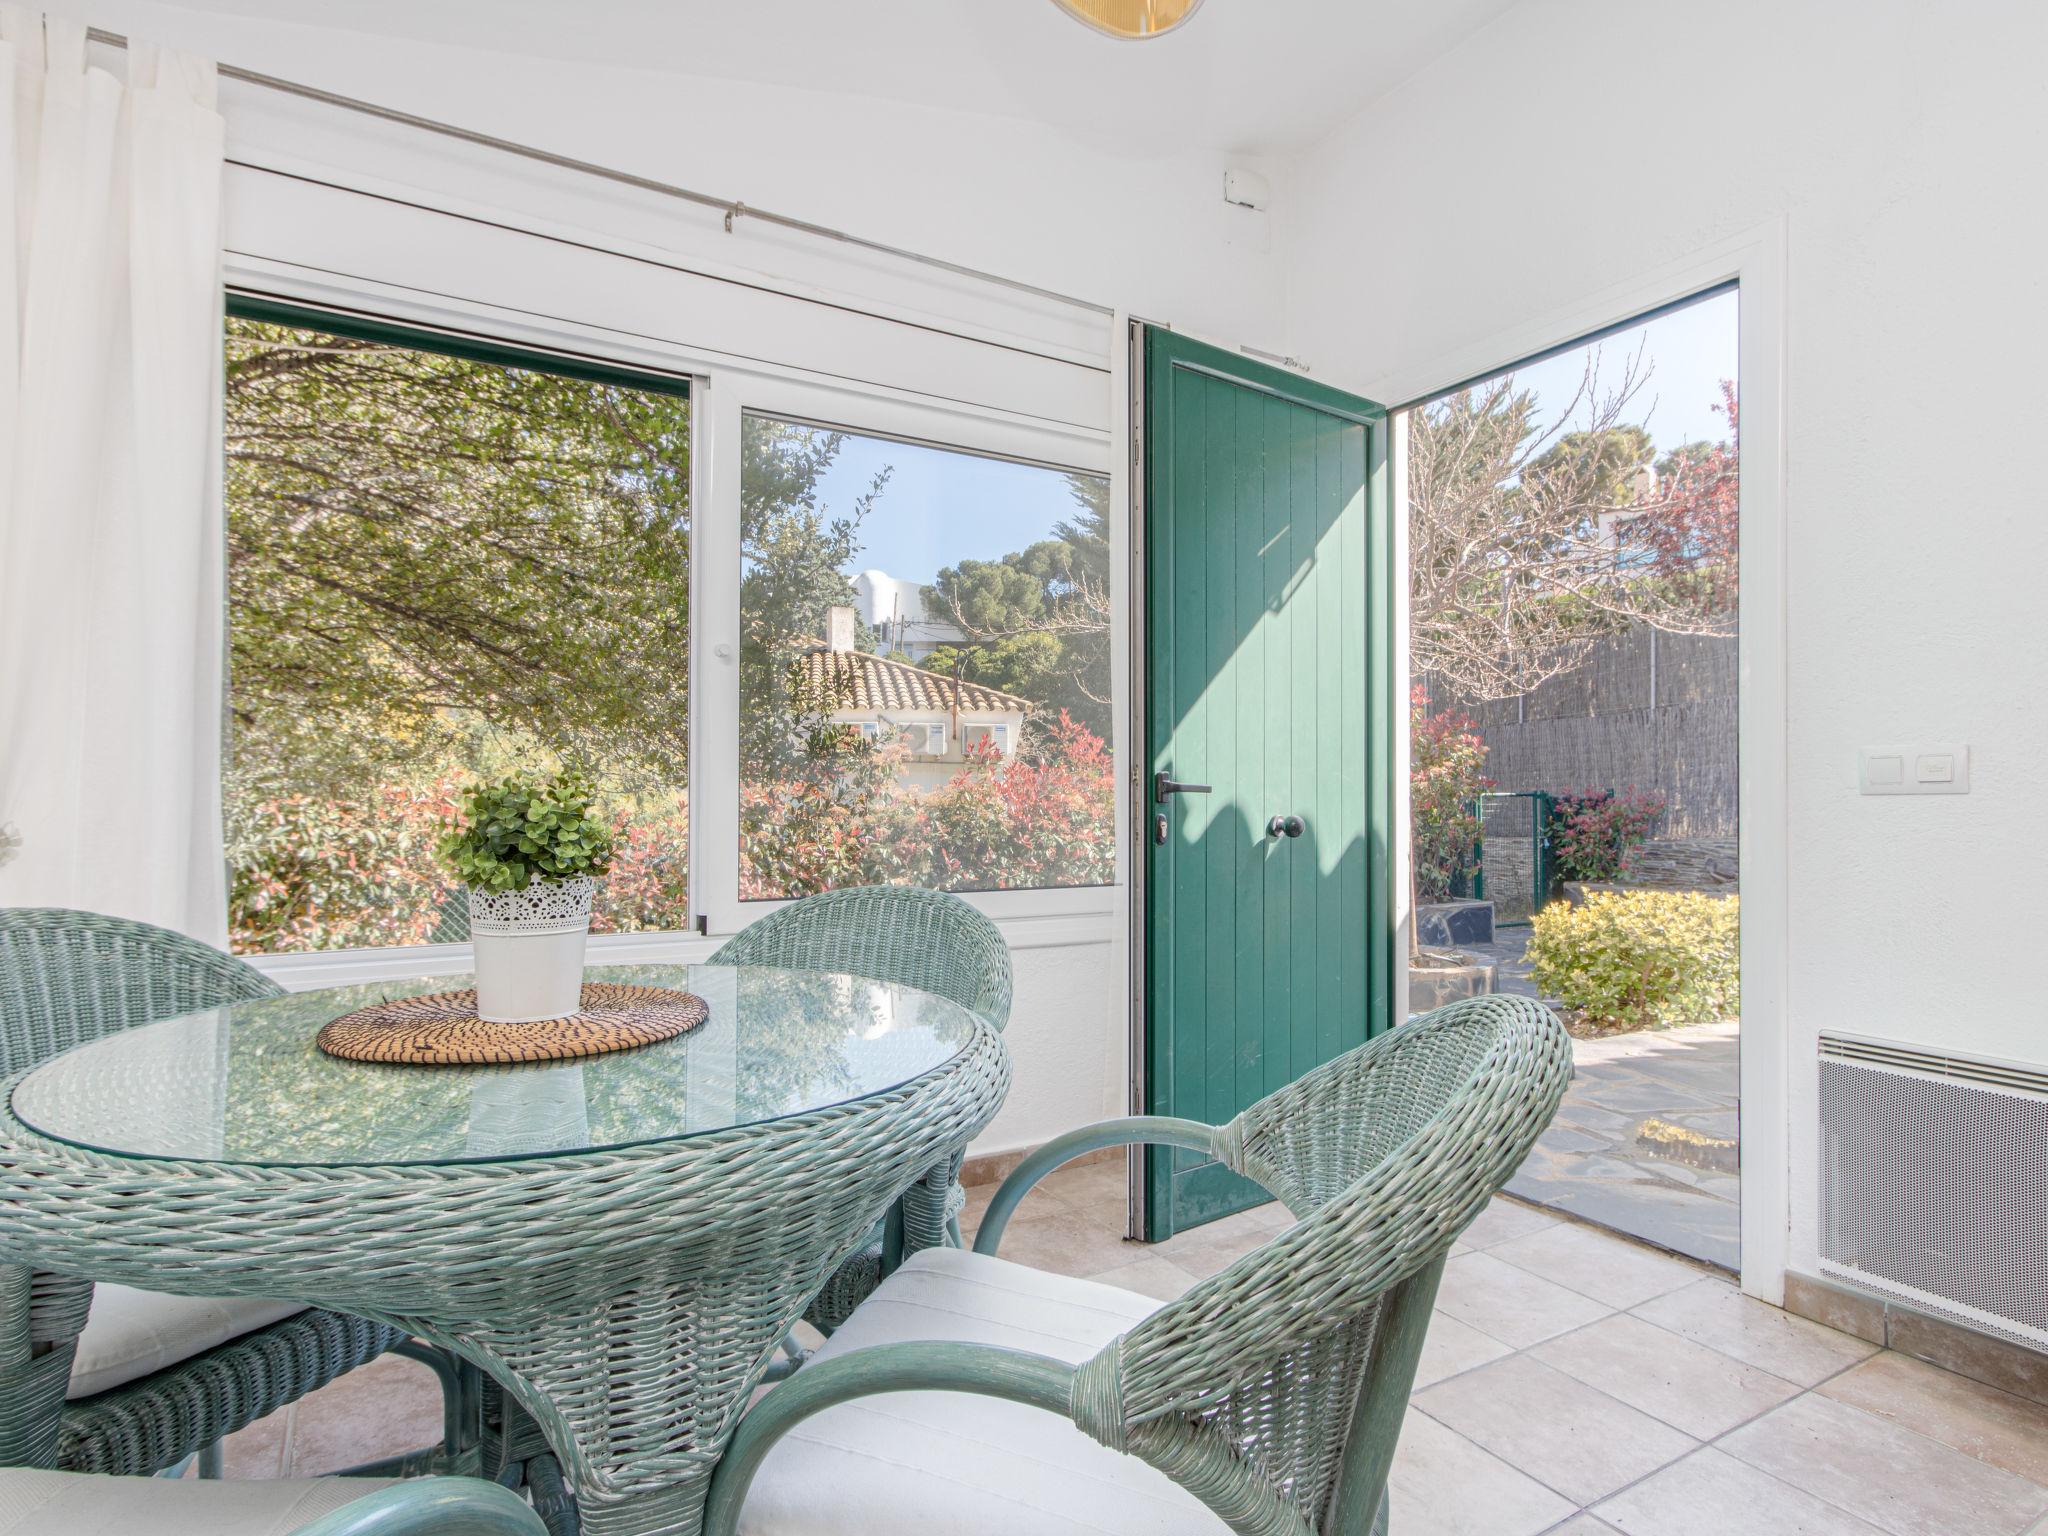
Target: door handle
point(1164, 785)
point(1286, 826)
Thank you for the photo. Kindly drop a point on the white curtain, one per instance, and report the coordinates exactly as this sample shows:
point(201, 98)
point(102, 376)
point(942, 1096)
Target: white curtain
point(110, 517)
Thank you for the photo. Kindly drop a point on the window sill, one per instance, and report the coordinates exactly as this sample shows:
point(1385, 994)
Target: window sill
point(348, 967)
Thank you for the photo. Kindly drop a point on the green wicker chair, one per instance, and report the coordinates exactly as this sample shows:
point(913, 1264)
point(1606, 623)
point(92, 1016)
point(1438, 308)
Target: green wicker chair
point(1266, 1400)
point(71, 977)
point(38, 1503)
point(924, 939)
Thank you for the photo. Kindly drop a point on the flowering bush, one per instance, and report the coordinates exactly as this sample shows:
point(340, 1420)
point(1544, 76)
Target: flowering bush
point(315, 873)
point(1629, 960)
point(998, 824)
point(310, 873)
point(1446, 760)
point(1590, 834)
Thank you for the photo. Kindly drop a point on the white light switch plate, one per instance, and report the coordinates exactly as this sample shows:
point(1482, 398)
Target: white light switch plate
point(1924, 770)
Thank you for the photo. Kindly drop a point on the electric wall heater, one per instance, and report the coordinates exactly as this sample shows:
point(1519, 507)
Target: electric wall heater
point(1934, 1182)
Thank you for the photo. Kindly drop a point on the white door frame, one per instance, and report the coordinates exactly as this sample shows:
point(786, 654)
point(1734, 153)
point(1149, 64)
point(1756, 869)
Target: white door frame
point(1756, 261)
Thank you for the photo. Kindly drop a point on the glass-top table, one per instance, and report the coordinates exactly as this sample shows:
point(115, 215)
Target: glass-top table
point(246, 1084)
point(620, 1241)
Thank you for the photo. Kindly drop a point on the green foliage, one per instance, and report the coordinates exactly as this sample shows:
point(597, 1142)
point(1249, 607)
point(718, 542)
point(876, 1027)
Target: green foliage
point(1446, 775)
point(1628, 960)
point(522, 829)
point(1590, 834)
point(997, 824)
point(417, 542)
point(795, 552)
point(1038, 621)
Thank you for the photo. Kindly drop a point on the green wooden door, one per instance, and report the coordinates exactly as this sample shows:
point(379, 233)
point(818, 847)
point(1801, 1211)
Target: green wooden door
point(1267, 678)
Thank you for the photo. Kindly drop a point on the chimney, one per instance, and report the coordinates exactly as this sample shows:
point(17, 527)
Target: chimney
point(839, 629)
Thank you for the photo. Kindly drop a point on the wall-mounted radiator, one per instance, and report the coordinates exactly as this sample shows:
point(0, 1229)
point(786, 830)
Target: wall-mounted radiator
point(1934, 1182)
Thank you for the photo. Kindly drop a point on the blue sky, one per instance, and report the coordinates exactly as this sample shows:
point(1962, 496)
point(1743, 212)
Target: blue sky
point(942, 507)
point(1686, 354)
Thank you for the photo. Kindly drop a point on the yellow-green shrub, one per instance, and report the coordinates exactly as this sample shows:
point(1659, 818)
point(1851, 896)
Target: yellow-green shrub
point(1641, 959)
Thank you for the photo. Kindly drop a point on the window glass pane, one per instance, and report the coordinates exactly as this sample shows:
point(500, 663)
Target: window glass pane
point(901, 608)
point(439, 569)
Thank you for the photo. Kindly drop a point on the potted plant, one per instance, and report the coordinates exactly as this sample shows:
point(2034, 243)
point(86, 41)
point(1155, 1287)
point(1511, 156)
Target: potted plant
point(530, 851)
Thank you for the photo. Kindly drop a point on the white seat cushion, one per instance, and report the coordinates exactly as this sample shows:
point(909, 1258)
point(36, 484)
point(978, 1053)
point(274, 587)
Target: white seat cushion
point(79, 1504)
point(951, 1463)
point(131, 1334)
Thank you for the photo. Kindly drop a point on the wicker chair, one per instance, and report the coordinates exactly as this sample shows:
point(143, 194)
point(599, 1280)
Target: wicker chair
point(924, 939)
point(36, 1503)
point(1266, 1400)
point(71, 977)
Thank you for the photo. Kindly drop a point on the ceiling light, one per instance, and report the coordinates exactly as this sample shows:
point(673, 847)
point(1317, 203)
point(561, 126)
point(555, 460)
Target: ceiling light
point(1131, 18)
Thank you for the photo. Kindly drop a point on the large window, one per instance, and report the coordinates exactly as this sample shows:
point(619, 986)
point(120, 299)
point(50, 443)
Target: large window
point(925, 668)
point(444, 563)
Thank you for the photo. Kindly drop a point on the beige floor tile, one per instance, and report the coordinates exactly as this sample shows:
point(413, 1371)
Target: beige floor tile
point(1039, 1202)
point(1444, 1485)
point(388, 1407)
point(1597, 1264)
point(1204, 1250)
point(1149, 1276)
point(1993, 1426)
point(1067, 1244)
point(257, 1452)
point(1561, 1432)
point(1452, 1347)
point(1095, 1187)
point(1687, 1385)
point(1504, 1219)
point(1714, 1313)
point(1582, 1525)
point(1710, 1493)
point(1511, 1304)
point(1900, 1482)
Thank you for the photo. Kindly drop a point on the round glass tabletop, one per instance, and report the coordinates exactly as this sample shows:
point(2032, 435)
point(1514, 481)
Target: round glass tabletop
point(246, 1084)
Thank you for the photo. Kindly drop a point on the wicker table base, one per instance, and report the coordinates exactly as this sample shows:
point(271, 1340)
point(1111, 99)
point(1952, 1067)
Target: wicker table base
point(628, 1300)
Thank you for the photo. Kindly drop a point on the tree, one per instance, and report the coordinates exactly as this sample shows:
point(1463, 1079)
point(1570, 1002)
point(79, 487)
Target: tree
point(1038, 621)
point(795, 553)
point(1527, 544)
point(420, 545)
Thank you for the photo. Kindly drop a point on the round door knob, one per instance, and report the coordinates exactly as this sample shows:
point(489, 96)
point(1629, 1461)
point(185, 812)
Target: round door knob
point(1286, 826)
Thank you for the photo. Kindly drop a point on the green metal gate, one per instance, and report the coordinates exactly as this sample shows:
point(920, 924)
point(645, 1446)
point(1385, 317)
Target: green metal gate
point(1511, 858)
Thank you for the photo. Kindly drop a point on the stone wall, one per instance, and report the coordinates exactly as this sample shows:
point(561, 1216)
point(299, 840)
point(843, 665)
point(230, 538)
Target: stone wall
point(1644, 710)
point(1682, 864)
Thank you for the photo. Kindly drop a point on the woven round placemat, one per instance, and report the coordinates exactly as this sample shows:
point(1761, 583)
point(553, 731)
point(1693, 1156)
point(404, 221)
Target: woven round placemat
point(442, 1028)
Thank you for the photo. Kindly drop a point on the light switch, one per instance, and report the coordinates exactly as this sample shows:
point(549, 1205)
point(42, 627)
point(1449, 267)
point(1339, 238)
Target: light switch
point(1937, 770)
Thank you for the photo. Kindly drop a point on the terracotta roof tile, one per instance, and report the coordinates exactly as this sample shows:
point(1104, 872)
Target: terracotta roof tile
point(860, 681)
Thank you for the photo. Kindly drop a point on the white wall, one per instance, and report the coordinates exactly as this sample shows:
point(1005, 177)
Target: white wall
point(1574, 146)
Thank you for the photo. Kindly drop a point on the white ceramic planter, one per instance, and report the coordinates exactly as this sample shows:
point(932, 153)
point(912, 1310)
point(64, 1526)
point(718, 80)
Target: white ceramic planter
point(529, 949)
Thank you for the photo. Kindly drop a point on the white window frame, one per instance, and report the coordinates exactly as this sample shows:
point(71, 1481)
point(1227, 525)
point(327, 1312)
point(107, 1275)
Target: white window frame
point(722, 390)
point(949, 426)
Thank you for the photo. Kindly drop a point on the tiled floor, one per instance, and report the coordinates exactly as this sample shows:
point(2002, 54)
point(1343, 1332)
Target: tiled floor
point(1573, 1384)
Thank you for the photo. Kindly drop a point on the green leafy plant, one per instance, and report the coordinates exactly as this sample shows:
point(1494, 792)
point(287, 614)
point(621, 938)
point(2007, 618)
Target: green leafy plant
point(1627, 960)
point(1591, 833)
point(1446, 776)
point(525, 828)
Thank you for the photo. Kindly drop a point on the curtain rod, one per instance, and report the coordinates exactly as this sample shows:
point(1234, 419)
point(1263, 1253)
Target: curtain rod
point(731, 208)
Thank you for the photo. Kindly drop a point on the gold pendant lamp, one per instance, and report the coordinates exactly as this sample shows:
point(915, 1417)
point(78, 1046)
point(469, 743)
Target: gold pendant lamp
point(1131, 18)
